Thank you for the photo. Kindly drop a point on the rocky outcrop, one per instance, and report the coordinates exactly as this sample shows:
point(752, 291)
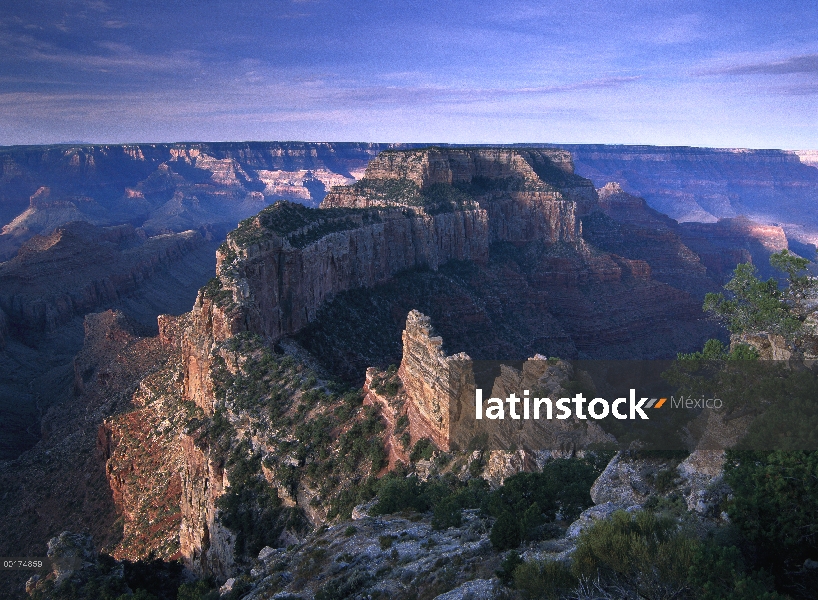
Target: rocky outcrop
point(435, 384)
point(625, 482)
point(278, 270)
point(274, 287)
point(728, 242)
point(205, 544)
point(528, 194)
point(164, 188)
point(440, 404)
point(62, 483)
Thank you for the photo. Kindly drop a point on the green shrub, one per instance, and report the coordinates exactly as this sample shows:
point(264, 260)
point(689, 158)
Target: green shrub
point(775, 506)
point(506, 532)
point(199, 590)
point(447, 513)
point(386, 541)
point(533, 499)
point(640, 552)
point(547, 580)
point(719, 573)
point(509, 563)
point(396, 494)
point(422, 450)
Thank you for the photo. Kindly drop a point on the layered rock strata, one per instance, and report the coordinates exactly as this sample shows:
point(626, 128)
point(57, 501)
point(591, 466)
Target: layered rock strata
point(771, 187)
point(275, 288)
point(425, 209)
point(436, 385)
point(440, 400)
point(52, 280)
point(528, 194)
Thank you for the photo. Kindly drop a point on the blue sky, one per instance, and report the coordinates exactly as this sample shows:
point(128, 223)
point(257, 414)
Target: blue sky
point(703, 73)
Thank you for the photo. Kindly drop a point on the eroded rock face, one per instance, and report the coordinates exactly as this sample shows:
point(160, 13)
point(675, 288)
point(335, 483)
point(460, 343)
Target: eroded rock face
point(206, 546)
point(528, 194)
point(277, 270)
point(624, 482)
point(432, 380)
point(727, 242)
point(143, 458)
point(164, 187)
point(770, 346)
point(287, 285)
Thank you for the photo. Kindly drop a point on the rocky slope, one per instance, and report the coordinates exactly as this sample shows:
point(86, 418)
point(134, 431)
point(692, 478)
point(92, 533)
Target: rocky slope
point(47, 289)
point(61, 482)
point(278, 270)
point(52, 280)
point(679, 253)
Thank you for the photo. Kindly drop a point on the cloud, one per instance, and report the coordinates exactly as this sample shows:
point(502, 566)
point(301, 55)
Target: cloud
point(116, 57)
point(807, 63)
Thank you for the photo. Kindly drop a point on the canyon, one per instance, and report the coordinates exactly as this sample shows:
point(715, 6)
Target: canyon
point(415, 257)
point(164, 187)
point(132, 227)
point(279, 271)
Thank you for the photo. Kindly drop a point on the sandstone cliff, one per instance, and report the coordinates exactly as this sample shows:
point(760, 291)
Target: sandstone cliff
point(440, 399)
point(434, 382)
point(275, 285)
point(62, 481)
point(528, 194)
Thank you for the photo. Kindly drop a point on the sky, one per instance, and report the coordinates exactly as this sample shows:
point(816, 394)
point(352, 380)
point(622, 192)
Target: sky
point(680, 72)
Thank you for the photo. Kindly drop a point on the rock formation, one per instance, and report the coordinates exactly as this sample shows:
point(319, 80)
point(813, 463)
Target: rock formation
point(440, 400)
point(436, 384)
point(206, 546)
point(62, 481)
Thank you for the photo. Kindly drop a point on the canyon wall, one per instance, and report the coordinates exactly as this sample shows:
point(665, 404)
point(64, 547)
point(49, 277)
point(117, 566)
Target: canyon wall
point(275, 289)
point(165, 187)
point(278, 270)
point(771, 187)
point(432, 380)
point(79, 268)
